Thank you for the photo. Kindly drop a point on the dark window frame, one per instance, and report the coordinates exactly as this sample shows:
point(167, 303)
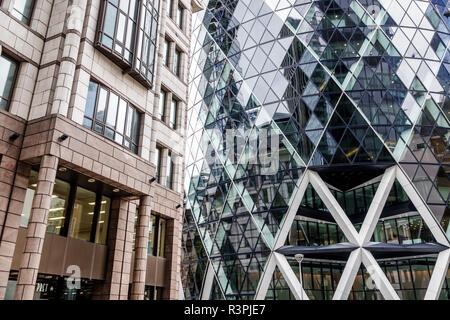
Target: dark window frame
point(166, 54)
point(174, 124)
point(156, 233)
point(176, 68)
point(13, 86)
point(159, 164)
point(163, 93)
point(28, 22)
point(169, 177)
point(104, 124)
point(169, 10)
point(180, 16)
point(138, 50)
point(73, 181)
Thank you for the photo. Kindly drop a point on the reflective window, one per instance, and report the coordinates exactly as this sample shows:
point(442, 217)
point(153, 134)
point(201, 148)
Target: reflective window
point(22, 10)
point(158, 161)
point(166, 54)
point(51, 287)
point(162, 104)
point(74, 211)
point(119, 29)
point(112, 116)
point(7, 78)
point(173, 114)
point(176, 62)
point(169, 174)
point(131, 40)
point(153, 293)
point(157, 236)
point(161, 237)
point(179, 18)
point(103, 221)
point(58, 206)
point(169, 7)
point(82, 215)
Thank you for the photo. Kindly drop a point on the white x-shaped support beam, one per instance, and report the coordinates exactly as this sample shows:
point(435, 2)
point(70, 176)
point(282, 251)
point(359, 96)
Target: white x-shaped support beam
point(360, 239)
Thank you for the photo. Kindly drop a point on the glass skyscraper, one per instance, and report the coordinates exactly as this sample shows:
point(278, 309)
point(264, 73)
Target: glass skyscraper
point(350, 102)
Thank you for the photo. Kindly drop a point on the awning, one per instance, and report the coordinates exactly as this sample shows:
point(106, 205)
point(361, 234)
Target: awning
point(341, 251)
point(338, 252)
point(391, 250)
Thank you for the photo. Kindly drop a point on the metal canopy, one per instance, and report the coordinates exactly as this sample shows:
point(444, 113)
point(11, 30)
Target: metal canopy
point(379, 250)
point(338, 252)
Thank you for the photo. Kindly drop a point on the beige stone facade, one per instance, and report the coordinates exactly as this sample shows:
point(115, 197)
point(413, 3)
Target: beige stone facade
point(59, 54)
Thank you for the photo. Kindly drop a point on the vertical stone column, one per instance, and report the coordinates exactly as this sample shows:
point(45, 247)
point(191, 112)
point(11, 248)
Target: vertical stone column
point(120, 237)
point(11, 228)
point(173, 255)
point(65, 77)
point(140, 254)
point(37, 227)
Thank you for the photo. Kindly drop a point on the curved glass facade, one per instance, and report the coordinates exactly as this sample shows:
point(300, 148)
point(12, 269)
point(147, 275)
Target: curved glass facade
point(318, 128)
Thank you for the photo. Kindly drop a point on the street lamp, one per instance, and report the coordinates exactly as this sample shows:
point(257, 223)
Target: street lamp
point(299, 258)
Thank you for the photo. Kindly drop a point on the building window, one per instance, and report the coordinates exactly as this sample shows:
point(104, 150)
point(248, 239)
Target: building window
point(52, 287)
point(176, 62)
point(74, 211)
point(119, 28)
point(180, 12)
point(153, 293)
point(170, 8)
point(166, 54)
point(162, 224)
point(157, 236)
point(101, 232)
point(162, 104)
point(58, 205)
point(169, 174)
point(82, 214)
point(173, 114)
point(129, 38)
point(111, 116)
point(7, 78)
point(22, 10)
point(158, 162)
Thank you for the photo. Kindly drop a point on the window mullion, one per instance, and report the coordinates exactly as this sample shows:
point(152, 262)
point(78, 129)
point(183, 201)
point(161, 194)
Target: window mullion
point(70, 204)
point(97, 208)
point(136, 37)
point(156, 237)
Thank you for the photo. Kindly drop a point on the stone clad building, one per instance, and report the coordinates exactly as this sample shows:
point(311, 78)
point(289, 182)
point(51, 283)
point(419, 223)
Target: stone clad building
point(92, 124)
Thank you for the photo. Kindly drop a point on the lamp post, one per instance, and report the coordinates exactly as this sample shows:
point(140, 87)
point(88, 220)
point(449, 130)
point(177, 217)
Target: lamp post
point(299, 258)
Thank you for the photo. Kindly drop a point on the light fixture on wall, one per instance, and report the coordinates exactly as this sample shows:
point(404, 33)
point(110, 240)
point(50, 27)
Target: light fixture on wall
point(152, 180)
point(92, 180)
point(116, 190)
point(178, 206)
point(63, 137)
point(14, 136)
point(62, 169)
